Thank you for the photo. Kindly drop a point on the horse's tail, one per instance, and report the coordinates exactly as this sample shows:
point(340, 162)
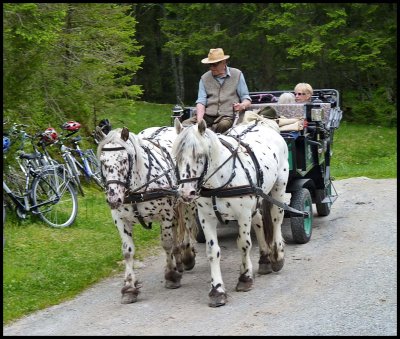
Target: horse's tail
point(267, 221)
point(185, 214)
point(180, 217)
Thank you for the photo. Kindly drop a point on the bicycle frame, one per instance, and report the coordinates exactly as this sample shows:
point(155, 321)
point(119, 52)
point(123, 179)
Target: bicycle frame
point(41, 187)
point(23, 202)
point(85, 167)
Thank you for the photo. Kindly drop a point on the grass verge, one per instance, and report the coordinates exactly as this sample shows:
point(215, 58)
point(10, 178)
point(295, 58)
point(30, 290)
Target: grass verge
point(43, 266)
point(363, 150)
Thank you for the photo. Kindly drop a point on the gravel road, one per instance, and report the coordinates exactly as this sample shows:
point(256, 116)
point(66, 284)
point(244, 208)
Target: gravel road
point(343, 282)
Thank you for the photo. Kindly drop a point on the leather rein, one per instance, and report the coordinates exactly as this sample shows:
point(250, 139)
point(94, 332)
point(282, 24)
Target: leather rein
point(227, 192)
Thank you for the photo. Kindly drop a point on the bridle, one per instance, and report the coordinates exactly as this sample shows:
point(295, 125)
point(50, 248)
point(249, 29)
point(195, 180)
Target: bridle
point(201, 180)
point(136, 196)
point(127, 183)
point(130, 162)
point(253, 188)
point(151, 156)
point(234, 155)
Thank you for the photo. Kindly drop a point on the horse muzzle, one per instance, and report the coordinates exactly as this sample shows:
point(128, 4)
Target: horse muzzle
point(115, 195)
point(187, 195)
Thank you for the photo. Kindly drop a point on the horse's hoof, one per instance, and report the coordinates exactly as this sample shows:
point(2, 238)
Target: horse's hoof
point(264, 268)
point(277, 266)
point(129, 295)
point(189, 264)
point(173, 279)
point(244, 284)
point(128, 298)
point(180, 267)
point(172, 284)
point(264, 264)
point(217, 298)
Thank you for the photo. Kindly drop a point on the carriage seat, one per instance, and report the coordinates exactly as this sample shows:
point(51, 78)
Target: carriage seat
point(281, 124)
point(293, 111)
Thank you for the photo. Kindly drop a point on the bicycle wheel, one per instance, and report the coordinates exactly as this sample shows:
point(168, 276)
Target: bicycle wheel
point(15, 180)
point(57, 198)
point(95, 168)
point(74, 173)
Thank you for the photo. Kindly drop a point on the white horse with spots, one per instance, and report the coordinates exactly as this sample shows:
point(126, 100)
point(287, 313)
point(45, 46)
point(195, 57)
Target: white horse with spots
point(141, 188)
point(235, 177)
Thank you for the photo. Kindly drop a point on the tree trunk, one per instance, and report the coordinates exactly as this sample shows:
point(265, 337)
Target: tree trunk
point(181, 79)
point(177, 70)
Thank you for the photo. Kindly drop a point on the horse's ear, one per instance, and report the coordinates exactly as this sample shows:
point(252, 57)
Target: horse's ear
point(202, 125)
point(178, 126)
point(99, 134)
point(125, 134)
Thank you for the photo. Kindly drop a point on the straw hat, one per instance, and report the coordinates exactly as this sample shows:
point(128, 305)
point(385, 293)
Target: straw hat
point(215, 55)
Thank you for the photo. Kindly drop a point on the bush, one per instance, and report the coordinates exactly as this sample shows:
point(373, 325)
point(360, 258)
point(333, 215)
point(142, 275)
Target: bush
point(375, 108)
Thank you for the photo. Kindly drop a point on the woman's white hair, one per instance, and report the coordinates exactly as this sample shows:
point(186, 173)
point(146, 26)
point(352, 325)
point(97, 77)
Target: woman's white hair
point(287, 98)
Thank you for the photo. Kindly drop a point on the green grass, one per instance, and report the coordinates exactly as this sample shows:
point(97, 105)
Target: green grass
point(43, 266)
point(361, 150)
point(140, 115)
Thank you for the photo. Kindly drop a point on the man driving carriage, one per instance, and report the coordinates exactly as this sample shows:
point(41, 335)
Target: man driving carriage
point(222, 91)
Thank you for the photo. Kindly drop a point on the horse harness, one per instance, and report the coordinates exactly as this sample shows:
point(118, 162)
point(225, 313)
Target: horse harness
point(134, 197)
point(227, 192)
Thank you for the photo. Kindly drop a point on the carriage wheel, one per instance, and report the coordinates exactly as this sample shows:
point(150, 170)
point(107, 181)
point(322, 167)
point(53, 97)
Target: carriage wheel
point(323, 209)
point(301, 226)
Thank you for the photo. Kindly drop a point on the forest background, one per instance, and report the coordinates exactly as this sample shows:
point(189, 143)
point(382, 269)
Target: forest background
point(84, 61)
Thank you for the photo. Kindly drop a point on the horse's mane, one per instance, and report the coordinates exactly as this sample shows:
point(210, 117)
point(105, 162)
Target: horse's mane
point(191, 143)
point(132, 145)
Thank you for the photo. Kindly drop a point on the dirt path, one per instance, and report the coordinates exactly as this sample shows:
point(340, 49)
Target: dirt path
point(343, 282)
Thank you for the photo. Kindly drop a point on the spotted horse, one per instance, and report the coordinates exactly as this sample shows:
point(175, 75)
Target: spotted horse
point(239, 176)
point(138, 172)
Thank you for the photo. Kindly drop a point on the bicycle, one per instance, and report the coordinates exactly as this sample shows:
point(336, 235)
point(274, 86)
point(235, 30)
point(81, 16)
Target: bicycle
point(47, 192)
point(87, 165)
point(17, 131)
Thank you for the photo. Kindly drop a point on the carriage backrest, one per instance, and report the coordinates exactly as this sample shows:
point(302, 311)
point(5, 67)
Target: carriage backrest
point(327, 99)
point(294, 110)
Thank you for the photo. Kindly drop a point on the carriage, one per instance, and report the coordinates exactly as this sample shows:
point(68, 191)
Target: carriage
point(170, 175)
point(310, 151)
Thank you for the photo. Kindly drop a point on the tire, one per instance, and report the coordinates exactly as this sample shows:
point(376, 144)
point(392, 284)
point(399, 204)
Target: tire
point(74, 174)
point(15, 180)
point(323, 209)
point(49, 185)
point(95, 169)
point(301, 226)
